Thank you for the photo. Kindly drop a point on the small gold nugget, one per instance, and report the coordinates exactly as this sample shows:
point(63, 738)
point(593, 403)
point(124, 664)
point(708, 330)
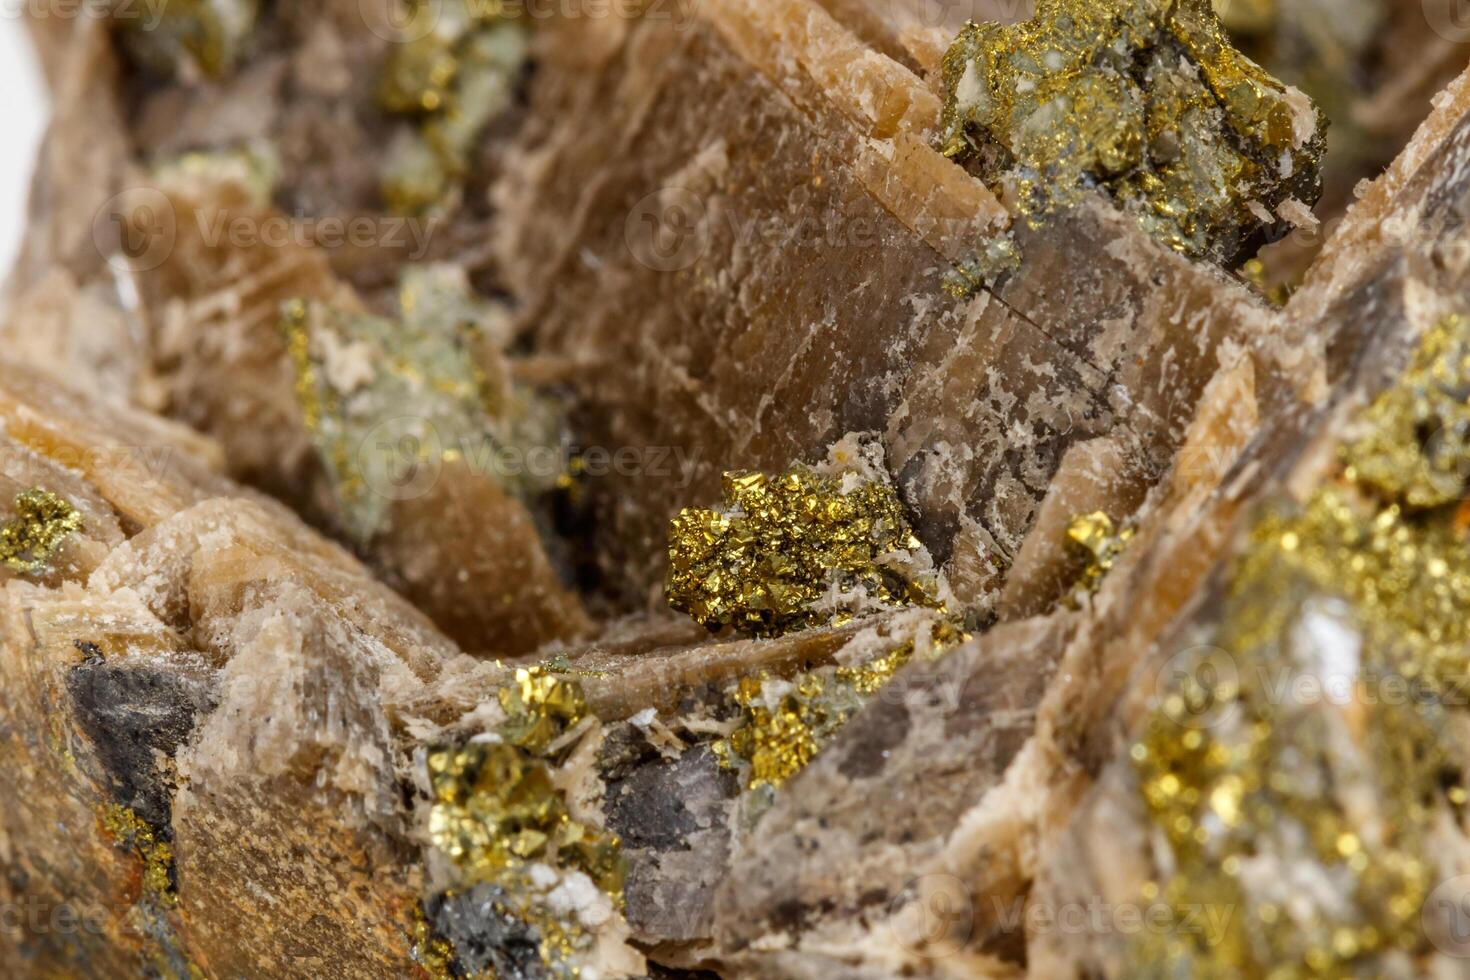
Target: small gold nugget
point(782, 545)
point(42, 521)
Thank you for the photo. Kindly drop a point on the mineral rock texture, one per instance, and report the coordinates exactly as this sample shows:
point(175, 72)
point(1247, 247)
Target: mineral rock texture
point(1147, 100)
point(815, 489)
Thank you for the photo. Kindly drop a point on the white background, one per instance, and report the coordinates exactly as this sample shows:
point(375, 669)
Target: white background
point(23, 114)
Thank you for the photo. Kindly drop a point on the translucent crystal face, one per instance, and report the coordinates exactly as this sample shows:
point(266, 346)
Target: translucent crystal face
point(1147, 101)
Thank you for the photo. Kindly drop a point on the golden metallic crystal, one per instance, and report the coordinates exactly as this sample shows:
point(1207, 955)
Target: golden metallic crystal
point(433, 954)
point(1143, 98)
point(1101, 540)
point(1331, 50)
point(459, 72)
point(779, 741)
point(765, 563)
point(131, 832)
point(42, 521)
point(784, 724)
point(497, 811)
point(152, 912)
point(1417, 444)
point(539, 706)
point(1367, 581)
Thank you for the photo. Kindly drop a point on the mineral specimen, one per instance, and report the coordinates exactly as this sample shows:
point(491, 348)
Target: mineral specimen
point(943, 565)
point(1096, 535)
point(188, 37)
point(791, 551)
point(390, 402)
point(42, 521)
point(458, 71)
point(1146, 99)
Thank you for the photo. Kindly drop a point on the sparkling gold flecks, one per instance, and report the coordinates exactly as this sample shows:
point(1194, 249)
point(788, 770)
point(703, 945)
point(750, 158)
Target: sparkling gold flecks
point(539, 706)
point(1417, 445)
point(784, 724)
point(41, 523)
point(387, 402)
point(433, 954)
point(497, 814)
point(763, 564)
point(998, 258)
point(151, 915)
point(780, 741)
point(459, 73)
point(870, 678)
point(1254, 273)
point(571, 482)
point(1331, 52)
point(495, 807)
point(189, 38)
point(1367, 582)
point(1103, 542)
point(1143, 98)
point(132, 833)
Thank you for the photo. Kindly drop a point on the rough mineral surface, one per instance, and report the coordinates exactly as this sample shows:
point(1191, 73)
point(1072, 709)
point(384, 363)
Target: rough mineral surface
point(821, 489)
point(1145, 99)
